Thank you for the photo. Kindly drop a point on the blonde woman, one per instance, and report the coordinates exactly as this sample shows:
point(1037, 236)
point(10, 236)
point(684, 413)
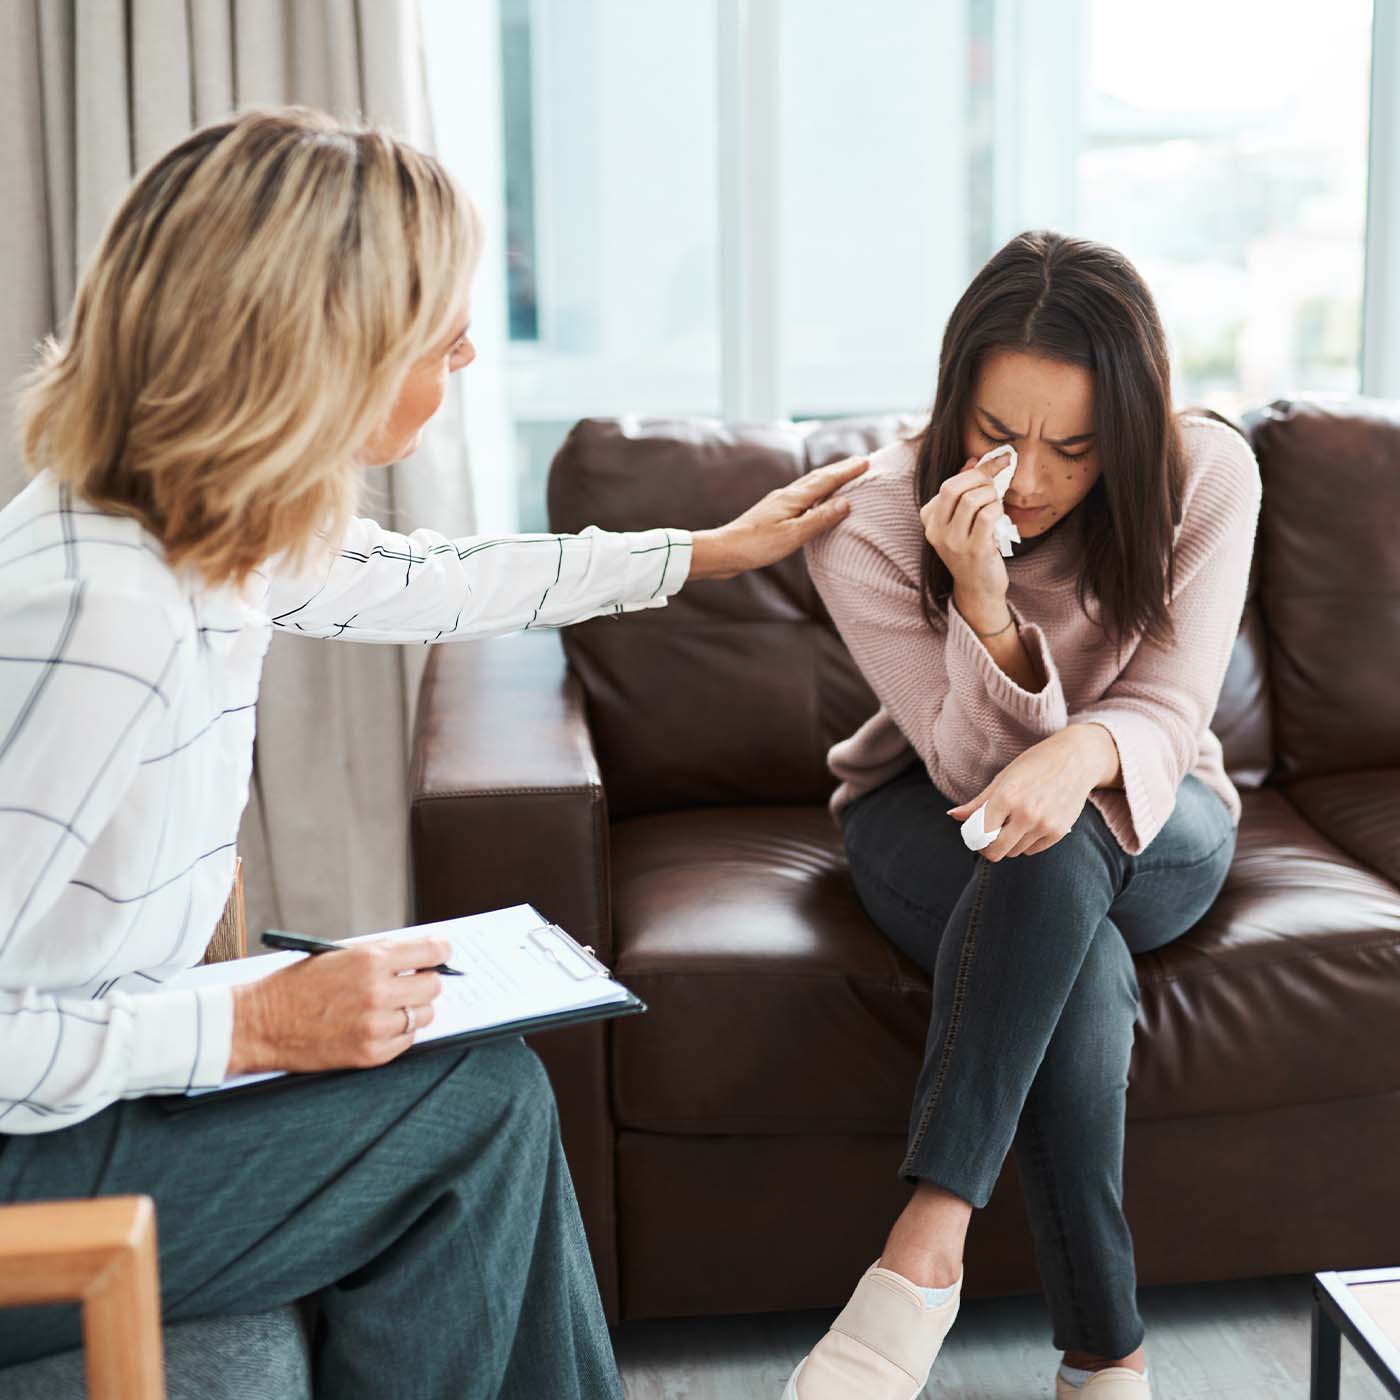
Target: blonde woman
point(276, 305)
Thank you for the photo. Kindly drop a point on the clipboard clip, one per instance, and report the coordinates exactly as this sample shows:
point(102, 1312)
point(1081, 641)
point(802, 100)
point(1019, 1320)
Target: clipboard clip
point(571, 957)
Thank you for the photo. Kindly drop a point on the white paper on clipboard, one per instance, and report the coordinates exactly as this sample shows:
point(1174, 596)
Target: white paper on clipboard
point(516, 964)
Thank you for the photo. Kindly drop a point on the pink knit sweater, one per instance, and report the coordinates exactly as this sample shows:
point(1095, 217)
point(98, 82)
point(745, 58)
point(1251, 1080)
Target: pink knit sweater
point(942, 696)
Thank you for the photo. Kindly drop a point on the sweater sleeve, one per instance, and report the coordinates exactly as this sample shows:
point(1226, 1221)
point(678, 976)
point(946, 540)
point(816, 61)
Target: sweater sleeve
point(960, 712)
point(1162, 701)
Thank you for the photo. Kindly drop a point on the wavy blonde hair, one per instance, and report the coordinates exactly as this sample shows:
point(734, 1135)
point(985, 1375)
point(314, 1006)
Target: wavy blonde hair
point(243, 328)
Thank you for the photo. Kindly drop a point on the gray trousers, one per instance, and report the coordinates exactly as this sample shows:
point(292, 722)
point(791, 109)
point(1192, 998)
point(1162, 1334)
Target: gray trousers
point(426, 1206)
point(1034, 1004)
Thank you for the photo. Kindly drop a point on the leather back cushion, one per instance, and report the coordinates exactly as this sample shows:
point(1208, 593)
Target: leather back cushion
point(1242, 721)
point(734, 692)
point(1329, 582)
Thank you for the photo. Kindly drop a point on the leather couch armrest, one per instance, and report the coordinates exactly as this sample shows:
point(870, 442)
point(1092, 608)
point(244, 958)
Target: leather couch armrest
point(507, 802)
point(507, 808)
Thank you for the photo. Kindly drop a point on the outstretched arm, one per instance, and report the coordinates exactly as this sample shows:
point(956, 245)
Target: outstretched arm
point(379, 586)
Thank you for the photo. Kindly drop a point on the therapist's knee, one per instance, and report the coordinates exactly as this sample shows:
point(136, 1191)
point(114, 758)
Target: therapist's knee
point(515, 1065)
point(508, 1075)
point(513, 1062)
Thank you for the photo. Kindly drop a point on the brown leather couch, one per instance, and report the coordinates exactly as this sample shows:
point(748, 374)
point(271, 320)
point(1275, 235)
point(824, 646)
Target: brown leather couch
point(659, 785)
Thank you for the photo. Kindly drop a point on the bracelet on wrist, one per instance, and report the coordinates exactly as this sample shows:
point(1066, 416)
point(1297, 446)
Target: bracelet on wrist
point(1010, 622)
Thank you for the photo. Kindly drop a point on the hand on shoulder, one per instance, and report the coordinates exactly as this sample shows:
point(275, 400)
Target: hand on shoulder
point(782, 522)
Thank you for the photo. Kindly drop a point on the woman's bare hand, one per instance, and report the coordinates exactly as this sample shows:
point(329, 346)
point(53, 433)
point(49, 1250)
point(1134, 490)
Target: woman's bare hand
point(341, 1010)
point(960, 524)
point(1037, 798)
point(783, 521)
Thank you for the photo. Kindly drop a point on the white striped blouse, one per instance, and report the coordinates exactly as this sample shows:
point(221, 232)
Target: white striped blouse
point(127, 695)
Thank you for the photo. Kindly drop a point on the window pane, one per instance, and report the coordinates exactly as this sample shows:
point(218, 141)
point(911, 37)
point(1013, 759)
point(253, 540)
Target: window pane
point(518, 140)
point(1223, 148)
point(618, 279)
point(875, 171)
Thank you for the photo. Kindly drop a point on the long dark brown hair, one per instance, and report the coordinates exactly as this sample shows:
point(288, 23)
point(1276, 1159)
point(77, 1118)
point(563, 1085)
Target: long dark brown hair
point(1084, 304)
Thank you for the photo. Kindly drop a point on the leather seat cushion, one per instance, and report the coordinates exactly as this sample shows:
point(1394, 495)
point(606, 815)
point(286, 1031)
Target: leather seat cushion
point(777, 1007)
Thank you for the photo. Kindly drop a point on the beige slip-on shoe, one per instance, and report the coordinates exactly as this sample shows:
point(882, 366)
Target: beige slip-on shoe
point(1112, 1383)
point(881, 1346)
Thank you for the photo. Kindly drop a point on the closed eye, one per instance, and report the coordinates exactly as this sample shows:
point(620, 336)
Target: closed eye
point(1006, 441)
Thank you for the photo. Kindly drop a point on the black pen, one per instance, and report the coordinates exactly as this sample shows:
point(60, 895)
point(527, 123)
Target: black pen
point(306, 943)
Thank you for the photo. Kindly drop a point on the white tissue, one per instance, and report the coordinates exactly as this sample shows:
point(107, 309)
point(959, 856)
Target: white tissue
point(1006, 532)
point(975, 835)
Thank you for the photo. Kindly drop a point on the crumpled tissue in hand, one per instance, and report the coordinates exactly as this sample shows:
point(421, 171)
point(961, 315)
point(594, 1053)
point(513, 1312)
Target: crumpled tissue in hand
point(975, 835)
point(1006, 531)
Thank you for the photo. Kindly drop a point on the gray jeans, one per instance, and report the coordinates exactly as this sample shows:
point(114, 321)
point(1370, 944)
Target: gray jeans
point(1034, 1004)
point(426, 1206)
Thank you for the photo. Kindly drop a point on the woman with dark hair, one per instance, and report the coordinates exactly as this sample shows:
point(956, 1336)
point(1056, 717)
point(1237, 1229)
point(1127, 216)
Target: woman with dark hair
point(1055, 696)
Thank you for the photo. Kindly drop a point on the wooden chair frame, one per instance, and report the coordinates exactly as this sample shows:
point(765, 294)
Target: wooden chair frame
point(102, 1254)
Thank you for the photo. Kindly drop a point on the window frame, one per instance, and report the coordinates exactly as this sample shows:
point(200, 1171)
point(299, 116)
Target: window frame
point(1380, 300)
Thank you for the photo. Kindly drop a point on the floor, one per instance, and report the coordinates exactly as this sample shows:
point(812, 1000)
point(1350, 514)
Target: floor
point(1221, 1341)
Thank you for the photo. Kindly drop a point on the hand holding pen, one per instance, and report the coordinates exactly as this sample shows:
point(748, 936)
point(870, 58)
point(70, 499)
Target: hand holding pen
point(361, 1008)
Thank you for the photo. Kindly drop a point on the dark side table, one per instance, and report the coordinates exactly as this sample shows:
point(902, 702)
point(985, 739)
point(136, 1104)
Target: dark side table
point(1363, 1306)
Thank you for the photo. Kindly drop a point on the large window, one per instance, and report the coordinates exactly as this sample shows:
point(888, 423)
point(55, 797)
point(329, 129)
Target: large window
point(1227, 157)
point(873, 220)
point(768, 207)
point(607, 265)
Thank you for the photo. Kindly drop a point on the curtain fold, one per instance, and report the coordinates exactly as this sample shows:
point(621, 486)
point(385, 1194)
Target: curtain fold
point(90, 92)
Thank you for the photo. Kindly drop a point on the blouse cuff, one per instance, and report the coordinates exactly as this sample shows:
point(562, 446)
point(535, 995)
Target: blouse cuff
point(1043, 711)
point(658, 563)
point(179, 1040)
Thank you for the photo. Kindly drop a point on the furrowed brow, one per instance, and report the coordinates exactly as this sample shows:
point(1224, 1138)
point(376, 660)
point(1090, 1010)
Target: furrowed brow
point(1054, 442)
point(997, 423)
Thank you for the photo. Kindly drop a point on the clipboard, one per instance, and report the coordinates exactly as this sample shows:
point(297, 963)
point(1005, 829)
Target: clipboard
point(553, 944)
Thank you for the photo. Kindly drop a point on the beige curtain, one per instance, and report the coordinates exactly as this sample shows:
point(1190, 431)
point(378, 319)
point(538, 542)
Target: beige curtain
point(90, 92)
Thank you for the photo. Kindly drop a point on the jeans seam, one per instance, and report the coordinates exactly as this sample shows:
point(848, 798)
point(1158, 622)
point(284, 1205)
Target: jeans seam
point(954, 1017)
point(1047, 1177)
